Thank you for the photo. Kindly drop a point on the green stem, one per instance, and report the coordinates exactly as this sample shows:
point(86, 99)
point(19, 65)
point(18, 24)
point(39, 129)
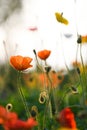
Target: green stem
point(22, 96)
point(63, 96)
point(50, 93)
point(77, 52)
point(83, 80)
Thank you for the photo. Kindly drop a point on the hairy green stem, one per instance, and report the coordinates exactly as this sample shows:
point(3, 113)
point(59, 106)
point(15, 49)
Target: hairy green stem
point(22, 95)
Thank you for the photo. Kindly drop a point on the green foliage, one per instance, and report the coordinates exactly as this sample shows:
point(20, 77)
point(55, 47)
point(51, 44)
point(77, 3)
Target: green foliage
point(61, 97)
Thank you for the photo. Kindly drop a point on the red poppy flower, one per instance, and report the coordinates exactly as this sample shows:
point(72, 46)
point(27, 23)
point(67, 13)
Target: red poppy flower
point(66, 119)
point(20, 125)
point(20, 63)
point(44, 54)
point(7, 116)
point(10, 121)
point(2, 114)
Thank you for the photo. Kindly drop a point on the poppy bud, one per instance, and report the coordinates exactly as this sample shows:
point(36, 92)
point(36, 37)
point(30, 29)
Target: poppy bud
point(42, 99)
point(45, 129)
point(34, 111)
point(74, 89)
point(34, 51)
point(79, 40)
point(47, 68)
point(78, 70)
point(9, 107)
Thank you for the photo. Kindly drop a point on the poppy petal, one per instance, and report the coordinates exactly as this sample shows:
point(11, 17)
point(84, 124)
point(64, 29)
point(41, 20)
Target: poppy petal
point(26, 63)
point(16, 62)
point(20, 63)
point(44, 54)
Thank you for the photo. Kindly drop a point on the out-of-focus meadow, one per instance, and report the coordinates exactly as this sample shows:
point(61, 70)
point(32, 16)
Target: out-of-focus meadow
point(44, 92)
point(34, 94)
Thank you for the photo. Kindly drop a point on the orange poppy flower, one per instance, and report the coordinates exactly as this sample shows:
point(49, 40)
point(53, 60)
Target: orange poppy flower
point(76, 64)
point(82, 39)
point(20, 63)
point(66, 119)
point(56, 79)
point(44, 54)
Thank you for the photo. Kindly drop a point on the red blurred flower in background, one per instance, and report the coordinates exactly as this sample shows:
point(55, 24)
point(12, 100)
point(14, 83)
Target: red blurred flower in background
point(33, 29)
point(20, 63)
point(10, 121)
point(66, 119)
point(44, 54)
